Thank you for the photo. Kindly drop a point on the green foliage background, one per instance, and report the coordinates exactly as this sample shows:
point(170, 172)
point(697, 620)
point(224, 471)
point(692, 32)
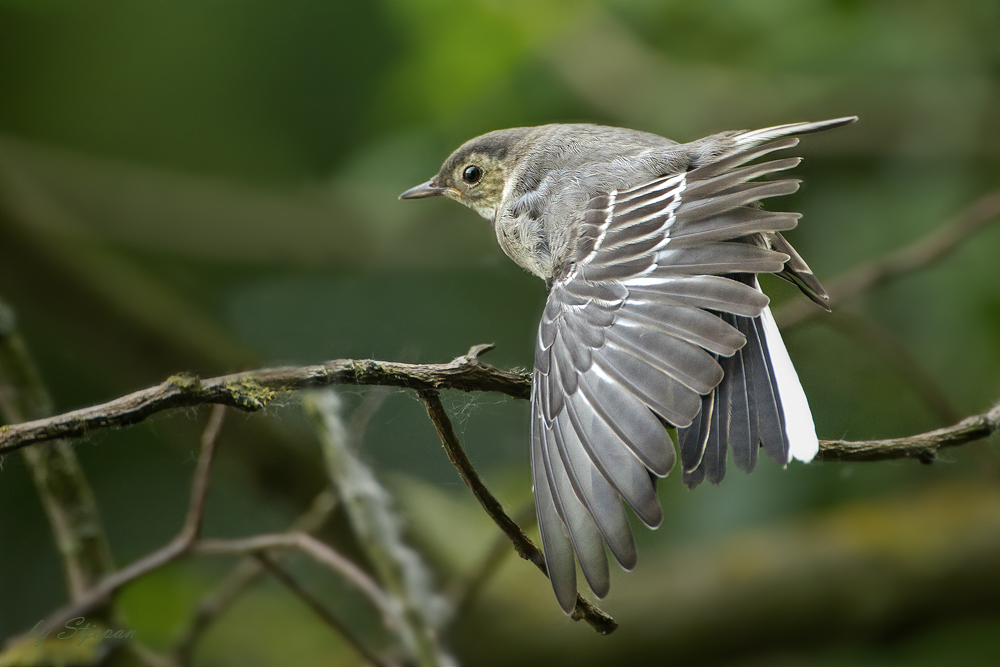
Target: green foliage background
point(211, 186)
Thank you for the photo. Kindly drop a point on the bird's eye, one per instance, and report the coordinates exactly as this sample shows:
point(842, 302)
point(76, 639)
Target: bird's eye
point(472, 174)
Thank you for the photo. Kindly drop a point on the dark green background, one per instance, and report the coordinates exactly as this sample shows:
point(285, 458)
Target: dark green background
point(211, 186)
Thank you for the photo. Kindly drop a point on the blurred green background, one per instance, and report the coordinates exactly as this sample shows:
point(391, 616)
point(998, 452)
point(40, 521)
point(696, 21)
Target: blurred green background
point(211, 186)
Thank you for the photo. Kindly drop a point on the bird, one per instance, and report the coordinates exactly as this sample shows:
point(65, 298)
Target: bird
point(654, 320)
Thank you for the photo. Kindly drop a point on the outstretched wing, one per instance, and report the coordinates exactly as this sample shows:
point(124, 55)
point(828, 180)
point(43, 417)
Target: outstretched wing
point(659, 320)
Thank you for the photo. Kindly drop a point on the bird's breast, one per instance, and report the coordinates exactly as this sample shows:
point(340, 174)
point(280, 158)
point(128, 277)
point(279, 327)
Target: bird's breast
point(523, 239)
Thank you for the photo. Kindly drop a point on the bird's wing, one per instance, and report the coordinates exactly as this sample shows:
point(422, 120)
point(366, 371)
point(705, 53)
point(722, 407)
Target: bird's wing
point(658, 319)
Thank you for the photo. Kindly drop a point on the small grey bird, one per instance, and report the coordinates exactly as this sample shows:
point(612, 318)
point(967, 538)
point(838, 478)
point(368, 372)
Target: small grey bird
point(650, 250)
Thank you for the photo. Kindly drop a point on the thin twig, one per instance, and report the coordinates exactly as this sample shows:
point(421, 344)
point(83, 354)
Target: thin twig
point(319, 551)
point(178, 547)
point(239, 578)
point(525, 548)
point(912, 371)
point(101, 593)
point(328, 616)
point(918, 254)
point(202, 475)
point(253, 390)
point(249, 569)
point(923, 447)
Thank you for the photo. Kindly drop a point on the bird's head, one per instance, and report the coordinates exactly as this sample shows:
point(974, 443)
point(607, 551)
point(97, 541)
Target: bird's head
point(477, 173)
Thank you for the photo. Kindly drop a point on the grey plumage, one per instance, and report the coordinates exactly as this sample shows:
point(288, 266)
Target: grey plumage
point(650, 250)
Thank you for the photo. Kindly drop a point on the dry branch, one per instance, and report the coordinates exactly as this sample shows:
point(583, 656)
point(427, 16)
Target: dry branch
point(923, 447)
point(321, 552)
point(239, 578)
point(102, 592)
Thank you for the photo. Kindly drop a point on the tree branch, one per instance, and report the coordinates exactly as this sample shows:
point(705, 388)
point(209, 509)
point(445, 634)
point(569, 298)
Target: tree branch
point(923, 447)
point(202, 475)
point(309, 545)
point(525, 548)
point(101, 593)
point(918, 254)
point(242, 575)
point(253, 390)
point(249, 569)
point(320, 552)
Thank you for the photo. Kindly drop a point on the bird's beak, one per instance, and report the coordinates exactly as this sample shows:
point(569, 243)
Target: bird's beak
point(427, 189)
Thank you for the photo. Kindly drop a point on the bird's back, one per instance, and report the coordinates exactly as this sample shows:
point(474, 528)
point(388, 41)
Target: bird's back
point(560, 167)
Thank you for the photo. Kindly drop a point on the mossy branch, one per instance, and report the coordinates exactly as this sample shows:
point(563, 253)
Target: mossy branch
point(253, 390)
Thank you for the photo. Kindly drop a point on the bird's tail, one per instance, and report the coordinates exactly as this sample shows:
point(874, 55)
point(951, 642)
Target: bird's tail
point(760, 403)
